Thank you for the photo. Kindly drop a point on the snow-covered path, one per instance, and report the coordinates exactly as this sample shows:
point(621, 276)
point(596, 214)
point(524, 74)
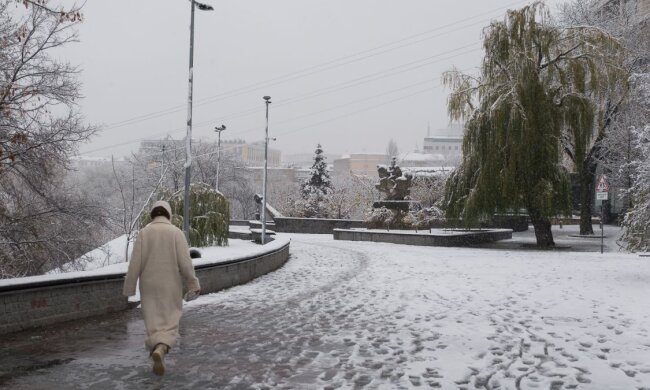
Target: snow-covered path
point(365, 315)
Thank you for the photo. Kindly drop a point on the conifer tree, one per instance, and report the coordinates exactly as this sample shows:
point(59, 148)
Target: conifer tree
point(316, 187)
point(538, 82)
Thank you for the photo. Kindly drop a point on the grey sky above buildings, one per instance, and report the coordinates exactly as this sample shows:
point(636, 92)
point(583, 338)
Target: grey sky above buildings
point(347, 74)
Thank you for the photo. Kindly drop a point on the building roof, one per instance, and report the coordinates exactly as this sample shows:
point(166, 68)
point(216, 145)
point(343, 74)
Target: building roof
point(417, 156)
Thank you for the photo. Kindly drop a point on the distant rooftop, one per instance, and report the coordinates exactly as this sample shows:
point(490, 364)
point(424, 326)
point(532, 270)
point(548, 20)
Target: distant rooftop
point(416, 156)
point(453, 130)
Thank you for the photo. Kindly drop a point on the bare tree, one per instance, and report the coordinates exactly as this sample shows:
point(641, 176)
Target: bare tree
point(391, 150)
point(42, 222)
point(39, 233)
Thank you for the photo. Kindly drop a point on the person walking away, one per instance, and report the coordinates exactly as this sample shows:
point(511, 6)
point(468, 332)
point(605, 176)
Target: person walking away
point(161, 261)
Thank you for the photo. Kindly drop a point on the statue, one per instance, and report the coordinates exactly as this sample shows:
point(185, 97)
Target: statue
point(394, 184)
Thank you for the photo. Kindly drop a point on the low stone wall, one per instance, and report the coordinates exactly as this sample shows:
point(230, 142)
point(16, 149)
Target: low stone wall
point(238, 222)
point(516, 222)
point(224, 275)
point(573, 221)
point(461, 239)
point(43, 303)
point(36, 304)
point(314, 225)
point(239, 235)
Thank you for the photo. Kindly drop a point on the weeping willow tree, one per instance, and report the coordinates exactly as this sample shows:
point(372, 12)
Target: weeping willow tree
point(538, 85)
point(209, 215)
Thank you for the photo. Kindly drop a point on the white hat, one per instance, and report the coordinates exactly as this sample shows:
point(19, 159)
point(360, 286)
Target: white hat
point(164, 205)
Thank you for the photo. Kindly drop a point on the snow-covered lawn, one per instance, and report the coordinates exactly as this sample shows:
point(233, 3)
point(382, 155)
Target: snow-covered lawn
point(350, 315)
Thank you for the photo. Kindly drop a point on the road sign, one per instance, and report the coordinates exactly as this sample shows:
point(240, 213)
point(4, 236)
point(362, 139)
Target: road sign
point(603, 185)
point(601, 195)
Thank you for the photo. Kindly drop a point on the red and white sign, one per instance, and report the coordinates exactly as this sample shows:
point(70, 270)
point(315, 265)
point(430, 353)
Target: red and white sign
point(603, 185)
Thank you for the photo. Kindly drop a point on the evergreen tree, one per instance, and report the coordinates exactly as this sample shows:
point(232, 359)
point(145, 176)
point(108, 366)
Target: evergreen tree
point(316, 188)
point(538, 84)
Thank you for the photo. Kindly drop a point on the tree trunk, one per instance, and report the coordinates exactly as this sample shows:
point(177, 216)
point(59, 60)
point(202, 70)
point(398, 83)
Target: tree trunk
point(587, 179)
point(542, 227)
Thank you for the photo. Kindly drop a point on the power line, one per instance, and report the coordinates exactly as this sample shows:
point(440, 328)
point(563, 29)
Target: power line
point(302, 128)
point(318, 68)
point(341, 86)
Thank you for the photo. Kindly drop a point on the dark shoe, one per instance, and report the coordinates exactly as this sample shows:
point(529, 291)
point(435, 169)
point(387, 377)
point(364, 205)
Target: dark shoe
point(158, 356)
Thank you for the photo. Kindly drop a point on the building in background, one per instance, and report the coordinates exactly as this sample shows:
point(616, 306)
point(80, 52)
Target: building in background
point(304, 160)
point(80, 162)
point(359, 164)
point(418, 159)
point(156, 145)
point(252, 154)
point(447, 142)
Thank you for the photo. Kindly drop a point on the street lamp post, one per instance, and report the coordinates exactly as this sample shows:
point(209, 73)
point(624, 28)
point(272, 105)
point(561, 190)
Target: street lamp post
point(188, 136)
point(218, 130)
point(266, 158)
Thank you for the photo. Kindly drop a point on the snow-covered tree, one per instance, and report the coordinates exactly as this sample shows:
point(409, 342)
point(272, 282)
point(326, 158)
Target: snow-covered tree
point(537, 82)
point(350, 198)
point(622, 145)
point(609, 148)
point(316, 187)
point(637, 218)
point(42, 220)
point(391, 150)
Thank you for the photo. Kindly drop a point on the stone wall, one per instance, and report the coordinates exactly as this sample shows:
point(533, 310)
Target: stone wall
point(38, 304)
point(41, 303)
point(224, 275)
point(461, 239)
point(314, 225)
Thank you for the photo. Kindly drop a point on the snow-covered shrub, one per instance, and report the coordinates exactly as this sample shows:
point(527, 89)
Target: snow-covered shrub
point(379, 218)
point(424, 218)
point(429, 190)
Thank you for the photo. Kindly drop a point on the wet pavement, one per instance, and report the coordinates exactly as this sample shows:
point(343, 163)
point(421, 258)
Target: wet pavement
point(361, 315)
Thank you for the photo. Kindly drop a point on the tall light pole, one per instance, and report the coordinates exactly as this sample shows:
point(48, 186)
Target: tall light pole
point(188, 136)
point(266, 163)
point(218, 130)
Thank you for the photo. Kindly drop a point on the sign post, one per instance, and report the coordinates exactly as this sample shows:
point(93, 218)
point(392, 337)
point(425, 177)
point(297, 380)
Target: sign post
point(602, 193)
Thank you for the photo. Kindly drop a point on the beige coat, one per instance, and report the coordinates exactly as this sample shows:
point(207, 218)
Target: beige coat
point(160, 258)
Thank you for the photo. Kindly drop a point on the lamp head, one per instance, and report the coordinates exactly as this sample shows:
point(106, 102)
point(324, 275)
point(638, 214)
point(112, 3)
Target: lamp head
point(268, 99)
point(220, 128)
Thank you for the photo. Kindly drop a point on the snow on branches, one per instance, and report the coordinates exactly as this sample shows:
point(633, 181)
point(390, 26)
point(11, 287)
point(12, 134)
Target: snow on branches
point(316, 188)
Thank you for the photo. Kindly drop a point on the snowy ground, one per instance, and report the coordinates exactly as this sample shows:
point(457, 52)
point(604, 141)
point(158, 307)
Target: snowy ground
point(355, 315)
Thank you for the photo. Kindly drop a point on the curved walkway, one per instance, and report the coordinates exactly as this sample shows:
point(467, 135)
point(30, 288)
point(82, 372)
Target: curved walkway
point(364, 315)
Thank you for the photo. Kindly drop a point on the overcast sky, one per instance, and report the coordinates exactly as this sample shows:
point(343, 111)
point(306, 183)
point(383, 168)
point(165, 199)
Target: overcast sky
point(349, 74)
